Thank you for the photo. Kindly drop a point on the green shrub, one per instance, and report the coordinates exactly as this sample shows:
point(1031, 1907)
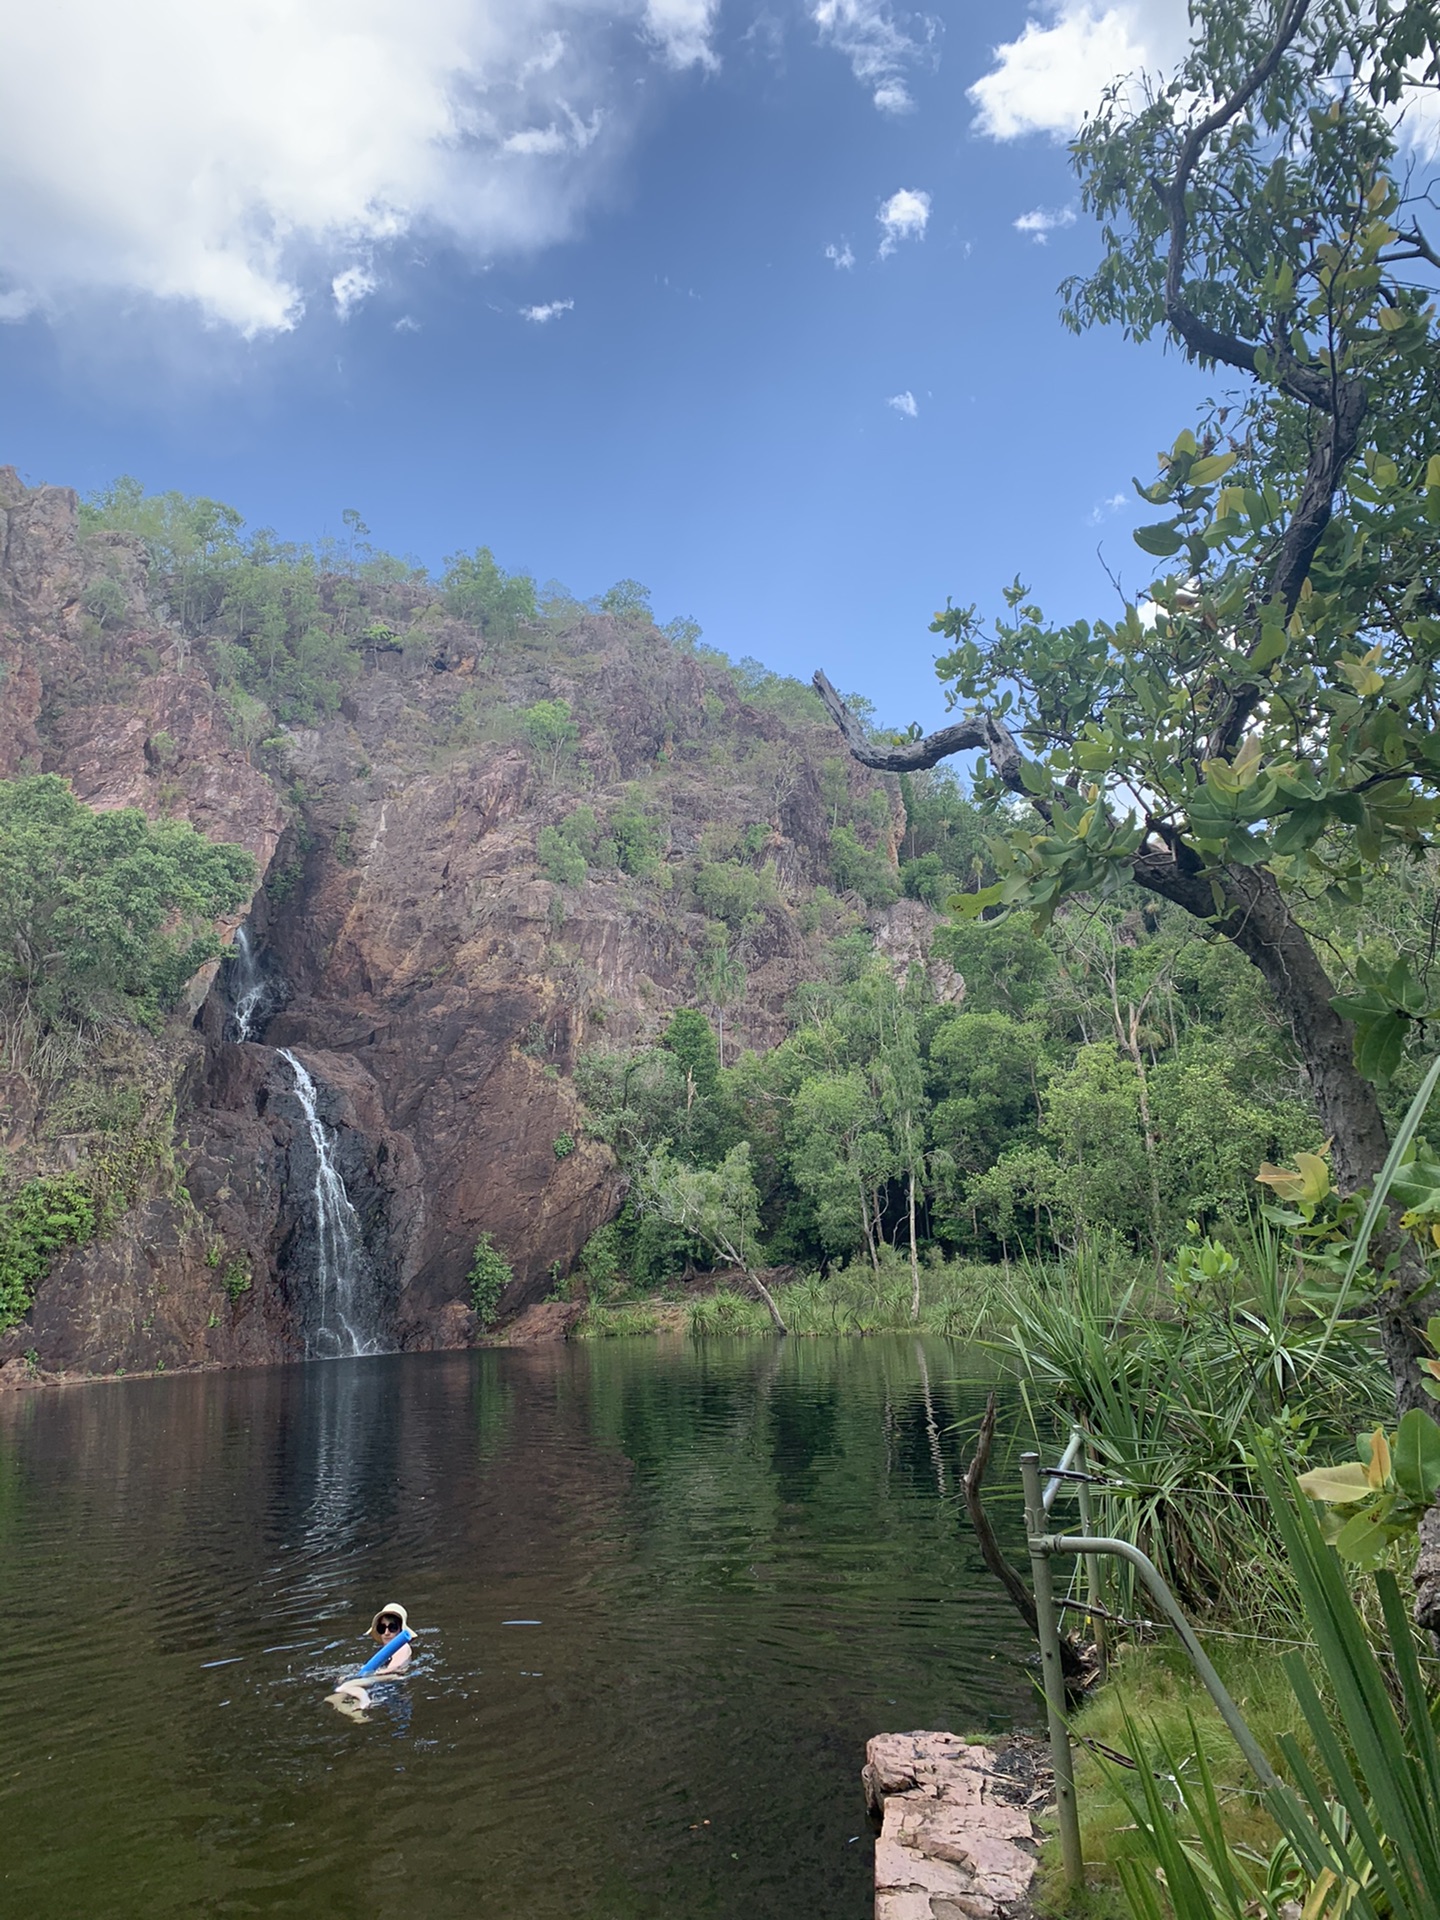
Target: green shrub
point(629, 601)
point(731, 893)
point(551, 732)
point(564, 1145)
point(637, 843)
point(236, 1278)
point(104, 600)
point(857, 870)
point(560, 860)
point(45, 1216)
point(490, 1274)
point(601, 1258)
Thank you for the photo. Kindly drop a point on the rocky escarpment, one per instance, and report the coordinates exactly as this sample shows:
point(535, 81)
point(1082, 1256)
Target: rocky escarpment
point(424, 966)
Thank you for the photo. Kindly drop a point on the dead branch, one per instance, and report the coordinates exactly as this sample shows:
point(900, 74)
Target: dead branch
point(990, 1550)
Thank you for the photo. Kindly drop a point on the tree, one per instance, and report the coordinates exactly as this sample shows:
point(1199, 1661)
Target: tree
point(691, 1039)
point(105, 908)
point(551, 731)
point(478, 589)
point(1270, 733)
point(717, 1206)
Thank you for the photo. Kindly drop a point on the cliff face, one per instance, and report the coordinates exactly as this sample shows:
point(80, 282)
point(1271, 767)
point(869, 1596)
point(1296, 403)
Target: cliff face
point(410, 951)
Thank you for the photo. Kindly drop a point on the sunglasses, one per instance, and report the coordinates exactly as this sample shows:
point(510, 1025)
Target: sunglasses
point(387, 1625)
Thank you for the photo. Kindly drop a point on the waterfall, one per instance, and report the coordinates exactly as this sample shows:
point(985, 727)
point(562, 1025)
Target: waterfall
point(249, 989)
point(345, 1315)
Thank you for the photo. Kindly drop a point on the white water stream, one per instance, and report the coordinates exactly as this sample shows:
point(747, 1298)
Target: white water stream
point(339, 1331)
point(248, 990)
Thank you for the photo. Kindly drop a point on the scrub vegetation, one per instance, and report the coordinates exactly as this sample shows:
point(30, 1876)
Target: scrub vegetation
point(104, 917)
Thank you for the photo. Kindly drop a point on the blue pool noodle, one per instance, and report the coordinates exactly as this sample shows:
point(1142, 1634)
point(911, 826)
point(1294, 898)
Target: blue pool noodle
point(379, 1659)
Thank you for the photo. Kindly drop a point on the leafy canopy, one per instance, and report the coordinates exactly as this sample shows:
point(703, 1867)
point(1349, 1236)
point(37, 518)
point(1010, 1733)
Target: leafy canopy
point(106, 911)
point(1268, 704)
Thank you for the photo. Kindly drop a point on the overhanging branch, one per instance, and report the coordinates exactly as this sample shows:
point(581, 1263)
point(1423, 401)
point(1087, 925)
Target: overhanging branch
point(976, 730)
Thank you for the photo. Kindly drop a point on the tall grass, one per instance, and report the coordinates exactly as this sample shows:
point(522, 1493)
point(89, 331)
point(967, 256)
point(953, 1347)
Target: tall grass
point(957, 1298)
point(1173, 1385)
point(1357, 1820)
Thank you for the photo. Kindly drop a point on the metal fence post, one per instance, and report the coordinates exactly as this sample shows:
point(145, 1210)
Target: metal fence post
point(1053, 1675)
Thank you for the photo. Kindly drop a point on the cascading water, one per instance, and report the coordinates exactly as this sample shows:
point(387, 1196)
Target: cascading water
point(249, 989)
point(344, 1317)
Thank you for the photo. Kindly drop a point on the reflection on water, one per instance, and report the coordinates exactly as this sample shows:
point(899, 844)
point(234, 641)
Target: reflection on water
point(723, 1567)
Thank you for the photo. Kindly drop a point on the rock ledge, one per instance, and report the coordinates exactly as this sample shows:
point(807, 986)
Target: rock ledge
point(954, 1845)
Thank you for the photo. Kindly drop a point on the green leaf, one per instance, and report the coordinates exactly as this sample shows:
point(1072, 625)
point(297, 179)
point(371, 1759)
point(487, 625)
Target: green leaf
point(1160, 538)
point(1362, 1541)
point(1206, 471)
point(1380, 1047)
point(1269, 647)
point(1400, 1148)
point(970, 906)
point(1416, 1457)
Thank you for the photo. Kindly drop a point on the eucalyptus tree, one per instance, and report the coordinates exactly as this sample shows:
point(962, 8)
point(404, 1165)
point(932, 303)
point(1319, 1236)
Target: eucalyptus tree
point(1264, 733)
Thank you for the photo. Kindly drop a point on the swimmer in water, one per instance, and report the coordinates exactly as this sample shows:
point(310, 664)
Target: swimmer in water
point(392, 1629)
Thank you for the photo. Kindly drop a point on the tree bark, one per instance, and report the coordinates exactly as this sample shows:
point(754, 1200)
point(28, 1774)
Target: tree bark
point(1427, 1574)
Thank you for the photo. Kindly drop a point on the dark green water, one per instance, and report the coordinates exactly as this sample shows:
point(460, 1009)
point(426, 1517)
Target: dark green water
point(744, 1559)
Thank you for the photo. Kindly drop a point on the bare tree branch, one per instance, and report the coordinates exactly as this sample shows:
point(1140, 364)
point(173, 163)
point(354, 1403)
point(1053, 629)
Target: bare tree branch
point(913, 756)
point(990, 1550)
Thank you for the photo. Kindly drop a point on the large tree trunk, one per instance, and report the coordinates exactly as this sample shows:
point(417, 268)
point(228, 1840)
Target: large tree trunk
point(1262, 926)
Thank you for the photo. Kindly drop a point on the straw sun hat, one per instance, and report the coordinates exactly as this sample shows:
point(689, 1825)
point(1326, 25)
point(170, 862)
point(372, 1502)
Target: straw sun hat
point(391, 1607)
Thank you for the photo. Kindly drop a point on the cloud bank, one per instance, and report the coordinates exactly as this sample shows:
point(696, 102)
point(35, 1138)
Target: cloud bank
point(237, 157)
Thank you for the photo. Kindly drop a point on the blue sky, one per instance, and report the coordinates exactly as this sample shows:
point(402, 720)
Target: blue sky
point(796, 422)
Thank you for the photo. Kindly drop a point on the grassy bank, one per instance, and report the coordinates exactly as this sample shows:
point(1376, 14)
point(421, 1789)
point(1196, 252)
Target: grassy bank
point(1153, 1690)
point(961, 1299)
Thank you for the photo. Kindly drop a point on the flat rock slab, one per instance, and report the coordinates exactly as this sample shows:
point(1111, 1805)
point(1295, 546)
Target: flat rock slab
point(953, 1844)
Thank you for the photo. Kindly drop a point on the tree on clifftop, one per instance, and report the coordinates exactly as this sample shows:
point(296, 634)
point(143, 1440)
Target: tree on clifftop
point(1266, 735)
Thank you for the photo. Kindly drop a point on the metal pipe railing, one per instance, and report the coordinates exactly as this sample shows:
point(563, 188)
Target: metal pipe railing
point(1043, 1547)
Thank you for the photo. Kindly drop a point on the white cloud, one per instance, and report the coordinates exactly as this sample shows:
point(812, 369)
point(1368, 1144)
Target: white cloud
point(1041, 222)
point(904, 216)
point(238, 158)
point(550, 311)
point(904, 403)
point(842, 257)
point(407, 323)
point(350, 288)
point(15, 306)
point(879, 49)
point(1103, 509)
point(574, 137)
point(1054, 74)
point(681, 29)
